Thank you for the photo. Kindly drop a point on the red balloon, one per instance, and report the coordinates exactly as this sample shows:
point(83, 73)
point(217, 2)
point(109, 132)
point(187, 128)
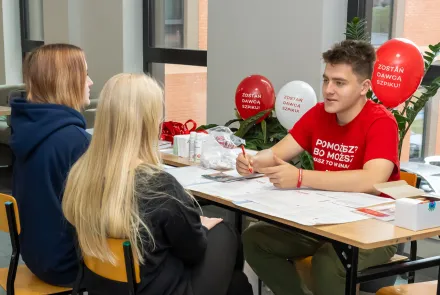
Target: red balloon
point(254, 94)
point(398, 71)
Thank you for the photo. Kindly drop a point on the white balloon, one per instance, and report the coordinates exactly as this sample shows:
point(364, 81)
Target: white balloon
point(293, 100)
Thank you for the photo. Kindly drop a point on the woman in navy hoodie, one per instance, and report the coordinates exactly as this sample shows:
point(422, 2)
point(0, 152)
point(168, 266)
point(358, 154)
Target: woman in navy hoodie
point(48, 136)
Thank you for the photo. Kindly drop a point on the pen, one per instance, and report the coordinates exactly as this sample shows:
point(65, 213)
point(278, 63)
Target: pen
point(244, 154)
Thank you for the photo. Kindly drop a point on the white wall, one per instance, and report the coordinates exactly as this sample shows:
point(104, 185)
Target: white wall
point(10, 43)
point(109, 32)
point(282, 40)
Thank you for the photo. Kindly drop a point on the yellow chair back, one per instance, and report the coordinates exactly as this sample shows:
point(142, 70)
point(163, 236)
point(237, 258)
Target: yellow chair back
point(3, 216)
point(410, 178)
point(109, 271)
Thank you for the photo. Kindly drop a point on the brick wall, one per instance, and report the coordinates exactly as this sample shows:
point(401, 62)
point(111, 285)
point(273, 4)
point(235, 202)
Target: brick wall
point(422, 21)
point(185, 93)
point(203, 24)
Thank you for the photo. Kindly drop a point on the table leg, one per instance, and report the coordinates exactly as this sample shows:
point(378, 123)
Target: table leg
point(238, 221)
point(413, 257)
point(438, 282)
point(349, 256)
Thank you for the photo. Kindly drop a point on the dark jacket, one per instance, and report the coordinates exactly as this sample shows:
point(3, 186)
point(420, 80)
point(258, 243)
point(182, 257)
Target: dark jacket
point(47, 139)
point(180, 241)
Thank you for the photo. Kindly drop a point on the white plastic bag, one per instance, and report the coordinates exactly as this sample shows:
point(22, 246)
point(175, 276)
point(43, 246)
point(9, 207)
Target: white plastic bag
point(217, 150)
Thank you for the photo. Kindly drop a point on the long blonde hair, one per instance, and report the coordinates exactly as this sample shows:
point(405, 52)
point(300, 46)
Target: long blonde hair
point(56, 73)
point(100, 195)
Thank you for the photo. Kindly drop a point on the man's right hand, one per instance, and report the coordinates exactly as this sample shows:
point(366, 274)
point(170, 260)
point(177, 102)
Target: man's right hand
point(243, 163)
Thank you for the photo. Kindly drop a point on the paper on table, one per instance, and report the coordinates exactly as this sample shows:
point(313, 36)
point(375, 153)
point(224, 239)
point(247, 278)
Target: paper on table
point(167, 167)
point(383, 212)
point(289, 199)
point(167, 151)
point(354, 200)
point(237, 176)
point(237, 190)
point(191, 175)
point(315, 215)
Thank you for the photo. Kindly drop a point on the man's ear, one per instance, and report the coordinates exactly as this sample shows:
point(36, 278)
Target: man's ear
point(366, 85)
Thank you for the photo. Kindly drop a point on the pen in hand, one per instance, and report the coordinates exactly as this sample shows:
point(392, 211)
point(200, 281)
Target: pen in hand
point(244, 154)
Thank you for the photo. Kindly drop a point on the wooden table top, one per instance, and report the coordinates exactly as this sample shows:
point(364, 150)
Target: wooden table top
point(365, 234)
point(5, 111)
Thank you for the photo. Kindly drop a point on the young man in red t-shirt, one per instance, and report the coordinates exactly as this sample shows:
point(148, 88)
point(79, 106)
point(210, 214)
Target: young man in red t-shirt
point(354, 144)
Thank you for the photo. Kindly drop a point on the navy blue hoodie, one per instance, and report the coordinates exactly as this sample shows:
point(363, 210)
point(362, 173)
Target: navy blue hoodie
point(46, 140)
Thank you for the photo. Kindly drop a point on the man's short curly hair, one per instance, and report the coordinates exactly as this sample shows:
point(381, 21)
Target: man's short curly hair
point(359, 54)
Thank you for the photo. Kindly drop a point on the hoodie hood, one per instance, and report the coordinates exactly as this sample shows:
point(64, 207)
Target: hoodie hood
point(32, 123)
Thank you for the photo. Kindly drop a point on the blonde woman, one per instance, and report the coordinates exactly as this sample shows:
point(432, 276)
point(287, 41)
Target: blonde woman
point(48, 137)
point(117, 189)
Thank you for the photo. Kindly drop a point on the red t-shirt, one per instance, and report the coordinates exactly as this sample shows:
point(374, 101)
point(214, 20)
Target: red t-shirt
point(373, 134)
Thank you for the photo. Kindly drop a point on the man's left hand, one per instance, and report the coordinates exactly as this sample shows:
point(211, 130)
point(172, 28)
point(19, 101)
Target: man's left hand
point(284, 175)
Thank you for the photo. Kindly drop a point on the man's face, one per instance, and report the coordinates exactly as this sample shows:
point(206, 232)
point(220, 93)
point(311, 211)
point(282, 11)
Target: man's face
point(342, 88)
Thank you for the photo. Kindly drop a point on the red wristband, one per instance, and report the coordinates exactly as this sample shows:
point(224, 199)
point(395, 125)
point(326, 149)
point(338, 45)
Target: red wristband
point(300, 178)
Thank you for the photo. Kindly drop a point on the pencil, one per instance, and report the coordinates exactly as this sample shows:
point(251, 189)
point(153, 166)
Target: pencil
point(244, 154)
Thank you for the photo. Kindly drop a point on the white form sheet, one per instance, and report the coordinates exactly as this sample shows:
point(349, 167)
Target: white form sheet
point(230, 190)
point(354, 200)
point(191, 175)
point(308, 207)
point(168, 167)
point(307, 215)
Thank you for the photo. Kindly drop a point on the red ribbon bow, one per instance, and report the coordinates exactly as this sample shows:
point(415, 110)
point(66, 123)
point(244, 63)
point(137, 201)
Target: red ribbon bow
point(170, 128)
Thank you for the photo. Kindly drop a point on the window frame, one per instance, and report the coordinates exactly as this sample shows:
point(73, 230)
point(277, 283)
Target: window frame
point(27, 44)
point(161, 55)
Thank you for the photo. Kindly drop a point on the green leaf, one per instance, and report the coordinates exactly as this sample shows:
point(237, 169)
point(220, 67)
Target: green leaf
point(428, 58)
point(278, 136)
point(248, 123)
point(433, 48)
point(410, 114)
point(306, 161)
point(232, 121)
point(357, 30)
point(401, 121)
point(430, 54)
point(264, 129)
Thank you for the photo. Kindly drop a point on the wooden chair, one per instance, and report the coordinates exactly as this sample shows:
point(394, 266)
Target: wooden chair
point(304, 265)
point(410, 178)
point(126, 269)
point(18, 279)
point(425, 288)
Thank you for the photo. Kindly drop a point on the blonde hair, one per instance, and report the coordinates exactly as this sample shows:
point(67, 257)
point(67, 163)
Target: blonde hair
point(57, 74)
point(100, 198)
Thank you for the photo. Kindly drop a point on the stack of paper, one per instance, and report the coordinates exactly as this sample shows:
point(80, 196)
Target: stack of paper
point(237, 190)
point(191, 175)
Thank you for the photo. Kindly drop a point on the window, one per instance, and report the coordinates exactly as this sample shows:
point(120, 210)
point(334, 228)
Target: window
point(379, 17)
point(175, 42)
point(31, 24)
point(379, 13)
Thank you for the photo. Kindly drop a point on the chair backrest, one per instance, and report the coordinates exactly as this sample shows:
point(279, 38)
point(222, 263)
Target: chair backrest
point(14, 94)
point(410, 178)
point(116, 272)
point(7, 201)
